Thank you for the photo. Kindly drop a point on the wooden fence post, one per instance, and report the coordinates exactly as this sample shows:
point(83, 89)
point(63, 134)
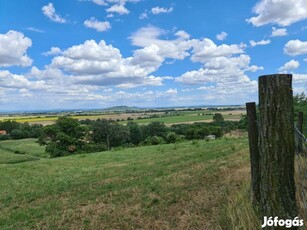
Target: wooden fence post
point(276, 146)
point(299, 125)
point(253, 149)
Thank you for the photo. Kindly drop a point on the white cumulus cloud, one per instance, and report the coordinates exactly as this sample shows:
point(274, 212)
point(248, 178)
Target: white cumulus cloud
point(118, 8)
point(260, 43)
point(13, 49)
point(97, 25)
point(295, 47)
point(280, 12)
point(222, 36)
point(49, 11)
point(100, 64)
point(53, 51)
point(290, 65)
point(279, 32)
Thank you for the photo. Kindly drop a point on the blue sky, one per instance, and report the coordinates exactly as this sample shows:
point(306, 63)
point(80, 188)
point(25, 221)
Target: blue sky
point(78, 54)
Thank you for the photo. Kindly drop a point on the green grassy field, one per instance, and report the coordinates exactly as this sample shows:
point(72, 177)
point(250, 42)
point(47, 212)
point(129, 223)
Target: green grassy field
point(177, 186)
point(8, 157)
point(24, 146)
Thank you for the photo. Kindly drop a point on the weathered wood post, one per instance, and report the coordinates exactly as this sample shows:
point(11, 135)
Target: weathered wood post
point(253, 149)
point(276, 146)
point(299, 126)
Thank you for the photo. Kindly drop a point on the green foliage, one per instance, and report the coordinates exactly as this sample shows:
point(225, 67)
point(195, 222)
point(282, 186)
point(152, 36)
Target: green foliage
point(154, 140)
point(300, 105)
point(4, 137)
point(136, 133)
point(155, 129)
point(218, 117)
point(110, 133)
point(172, 137)
point(69, 136)
point(17, 130)
point(64, 137)
point(9, 126)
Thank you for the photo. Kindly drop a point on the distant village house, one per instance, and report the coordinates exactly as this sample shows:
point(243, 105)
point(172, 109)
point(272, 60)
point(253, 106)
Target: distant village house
point(2, 132)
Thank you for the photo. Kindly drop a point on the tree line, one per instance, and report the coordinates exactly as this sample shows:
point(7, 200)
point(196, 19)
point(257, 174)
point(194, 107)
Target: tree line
point(16, 130)
point(69, 136)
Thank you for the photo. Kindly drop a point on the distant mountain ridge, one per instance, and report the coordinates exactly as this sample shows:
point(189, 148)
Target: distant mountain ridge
point(122, 108)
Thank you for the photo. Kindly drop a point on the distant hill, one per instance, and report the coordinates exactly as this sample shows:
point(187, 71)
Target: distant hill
point(122, 108)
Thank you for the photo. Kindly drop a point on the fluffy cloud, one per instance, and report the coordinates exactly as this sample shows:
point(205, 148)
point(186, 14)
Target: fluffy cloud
point(281, 12)
point(293, 64)
point(17, 42)
point(53, 51)
point(14, 81)
point(175, 49)
point(224, 66)
point(97, 25)
point(118, 8)
point(300, 79)
point(49, 11)
point(260, 43)
point(223, 77)
point(204, 50)
point(182, 34)
point(100, 64)
point(88, 58)
point(295, 47)
point(100, 2)
point(218, 70)
point(96, 71)
point(278, 32)
point(161, 10)
point(222, 36)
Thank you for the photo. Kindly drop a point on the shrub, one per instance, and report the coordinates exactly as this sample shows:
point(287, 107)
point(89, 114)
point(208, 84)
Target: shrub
point(94, 147)
point(154, 140)
point(171, 137)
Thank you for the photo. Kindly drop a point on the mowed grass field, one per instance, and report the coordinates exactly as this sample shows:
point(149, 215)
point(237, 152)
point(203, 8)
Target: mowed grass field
point(189, 185)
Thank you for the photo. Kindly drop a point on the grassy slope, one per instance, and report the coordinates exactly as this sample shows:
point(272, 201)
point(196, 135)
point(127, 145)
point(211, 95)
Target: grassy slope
point(176, 186)
point(24, 146)
point(7, 157)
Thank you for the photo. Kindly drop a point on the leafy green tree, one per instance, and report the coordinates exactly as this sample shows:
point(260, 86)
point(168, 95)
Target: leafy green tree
point(18, 134)
point(156, 128)
point(136, 134)
point(110, 133)
point(9, 126)
point(218, 117)
point(64, 137)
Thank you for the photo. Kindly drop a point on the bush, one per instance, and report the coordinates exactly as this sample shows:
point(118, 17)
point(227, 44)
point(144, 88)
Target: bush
point(171, 137)
point(54, 151)
point(4, 137)
point(218, 117)
point(155, 140)
point(94, 147)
